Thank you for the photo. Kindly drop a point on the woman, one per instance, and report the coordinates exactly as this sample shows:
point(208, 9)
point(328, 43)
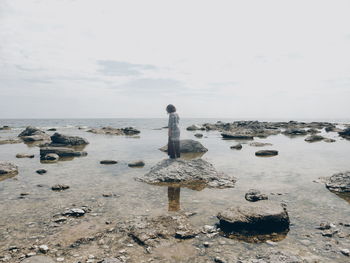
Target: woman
point(173, 132)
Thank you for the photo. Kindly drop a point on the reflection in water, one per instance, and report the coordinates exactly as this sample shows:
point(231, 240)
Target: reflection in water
point(174, 198)
point(191, 156)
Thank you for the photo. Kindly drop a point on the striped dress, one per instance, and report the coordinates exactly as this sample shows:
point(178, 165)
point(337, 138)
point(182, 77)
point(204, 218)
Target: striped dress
point(174, 126)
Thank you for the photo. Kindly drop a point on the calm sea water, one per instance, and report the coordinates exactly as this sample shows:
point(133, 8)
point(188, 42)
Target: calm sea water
point(291, 174)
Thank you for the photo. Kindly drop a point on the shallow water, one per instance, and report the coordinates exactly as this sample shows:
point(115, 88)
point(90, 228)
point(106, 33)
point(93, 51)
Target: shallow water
point(290, 174)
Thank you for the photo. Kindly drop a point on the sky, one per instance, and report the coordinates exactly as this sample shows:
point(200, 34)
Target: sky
point(227, 59)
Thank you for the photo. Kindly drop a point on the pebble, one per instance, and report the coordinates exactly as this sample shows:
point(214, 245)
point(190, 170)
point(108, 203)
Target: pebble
point(41, 171)
point(271, 243)
point(43, 249)
point(206, 244)
point(345, 252)
point(59, 259)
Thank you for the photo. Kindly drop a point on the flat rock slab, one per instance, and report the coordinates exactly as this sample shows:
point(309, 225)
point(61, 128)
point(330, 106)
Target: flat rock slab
point(339, 182)
point(61, 152)
point(186, 172)
point(7, 168)
point(38, 259)
point(227, 135)
point(266, 153)
point(260, 217)
point(188, 146)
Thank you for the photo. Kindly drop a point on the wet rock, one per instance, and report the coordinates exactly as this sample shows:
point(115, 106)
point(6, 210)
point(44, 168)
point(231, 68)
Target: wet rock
point(345, 133)
point(41, 171)
point(5, 127)
point(187, 172)
point(61, 152)
point(339, 182)
point(260, 144)
point(188, 146)
point(313, 131)
point(329, 140)
point(314, 138)
point(345, 252)
point(254, 195)
point(38, 259)
point(293, 132)
point(185, 234)
point(138, 163)
point(60, 187)
point(50, 157)
point(237, 146)
point(52, 129)
point(7, 168)
point(194, 127)
point(198, 135)
point(74, 212)
point(227, 135)
point(32, 134)
point(65, 140)
point(108, 162)
point(24, 155)
point(260, 217)
point(266, 153)
point(115, 131)
point(10, 141)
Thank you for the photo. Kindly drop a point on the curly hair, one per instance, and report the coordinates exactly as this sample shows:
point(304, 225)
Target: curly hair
point(170, 108)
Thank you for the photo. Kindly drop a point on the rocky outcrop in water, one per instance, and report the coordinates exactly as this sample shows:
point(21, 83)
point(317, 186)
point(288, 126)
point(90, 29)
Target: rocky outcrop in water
point(294, 132)
point(61, 152)
point(260, 144)
point(59, 139)
point(195, 127)
point(339, 182)
point(7, 168)
point(266, 153)
point(259, 217)
point(24, 155)
point(314, 138)
point(254, 195)
point(33, 134)
point(345, 133)
point(185, 172)
point(5, 127)
point(108, 162)
point(115, 131)
point(138, 163)
point(237, 146)
point(188, 146)
point(235, 136)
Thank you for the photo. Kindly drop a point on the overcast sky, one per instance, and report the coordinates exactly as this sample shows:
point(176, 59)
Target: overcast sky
point(235, 59)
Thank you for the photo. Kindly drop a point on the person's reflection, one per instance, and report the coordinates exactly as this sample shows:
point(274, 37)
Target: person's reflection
point(174, 198)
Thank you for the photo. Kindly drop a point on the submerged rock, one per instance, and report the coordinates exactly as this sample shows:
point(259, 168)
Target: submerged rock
point(7, 168)
point(266, 153)
point(138, 163)
point(227, 135)
point(187, 172)
point(10, 141)
point(339, 182)
point(254, 195)
point(24, 155)
point(61, 151)
point(65, 140)
point(188, 146)
point(115, 131)
point(260, 217)
point(60, 187)
point(108, 162)
point(314, 138)
point(260, 144)
point(329, 140)
point(198, 135)
point(237, 146)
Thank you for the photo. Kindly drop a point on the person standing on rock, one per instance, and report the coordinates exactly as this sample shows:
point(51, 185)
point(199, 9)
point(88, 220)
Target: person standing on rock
point(173, 132)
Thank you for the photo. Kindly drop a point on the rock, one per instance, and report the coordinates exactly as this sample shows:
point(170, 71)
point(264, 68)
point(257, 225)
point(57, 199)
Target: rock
point(254, 195)
point(75, 212)
point(65, 140)
point(314, 138)
point(329, 140)
point(108, 162)
point(61, 152)
point(24, 155)
point(111, 260)
point(345, 252)
point(345, 133)
point(38, 259)
point(198, 135)
point(10, 141)
point(188, 146)
point(339, 182)
point(32, 134)
point(313, 131)
point(115, 131)
point(187, 234)
point(273, 256)
point(7, 168)
point(5, 127)
point(52, 129)
point(41, 171)
point(60, 187)
point(187, 172)
point(50, 157)
point(227, 135)
point(293, 132)
point(138, 163)
point(260, 217)
point(266, 153)
point(194, 127)
point(260, 144)
point(43, 249)
point(237, 146)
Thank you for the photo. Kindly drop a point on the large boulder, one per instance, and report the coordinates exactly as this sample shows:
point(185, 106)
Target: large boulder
point(185, 172)
point(188, 146)
point(60, 139)
point(33, 134)
point(339, 182)
point(260, 217)
point(7, 168)
point(61, 152)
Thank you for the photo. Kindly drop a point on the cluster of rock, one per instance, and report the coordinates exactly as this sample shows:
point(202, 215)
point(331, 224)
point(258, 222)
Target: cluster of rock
point(317, 138)
point(339, 182)
point(186, 172)
point(33, 134)
point(345, 133)
point(115, 131)
point(7, 168)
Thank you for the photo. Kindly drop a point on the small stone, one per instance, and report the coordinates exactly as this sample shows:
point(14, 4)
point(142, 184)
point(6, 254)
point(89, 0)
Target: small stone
point(41, 171)
point(237, 146)
point(59, 187)
point(198, 135)
point(24, 155)
point(59, 259)
point(108, 162)
point(271, 243)
point(345, 252)
point(75, 212)
point(43, 249)
point(139, 163)
point(206, 244)
point(24, 194)
point(60, 220)
point(30, 254)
